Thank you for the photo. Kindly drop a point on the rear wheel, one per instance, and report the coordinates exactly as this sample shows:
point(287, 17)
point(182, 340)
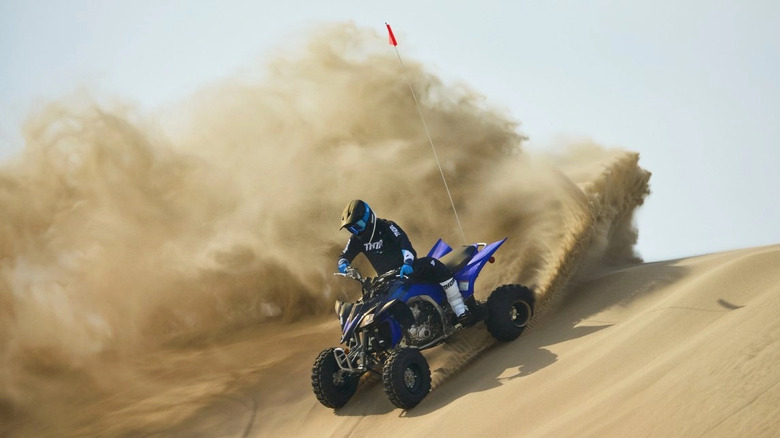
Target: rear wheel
point(510, 308)
point(332, 385)
point(407, 377)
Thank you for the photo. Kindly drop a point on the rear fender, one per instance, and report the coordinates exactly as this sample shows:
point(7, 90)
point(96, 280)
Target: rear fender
point(468, 275)
point(411, 290)
point(440, 248)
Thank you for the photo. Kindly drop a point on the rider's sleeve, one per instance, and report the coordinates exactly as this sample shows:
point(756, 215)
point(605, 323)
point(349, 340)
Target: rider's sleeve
point(403, 241)
point(351, 250)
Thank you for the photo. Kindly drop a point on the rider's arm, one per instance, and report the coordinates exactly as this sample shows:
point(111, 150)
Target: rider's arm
point(407, 250)
point(351, 250)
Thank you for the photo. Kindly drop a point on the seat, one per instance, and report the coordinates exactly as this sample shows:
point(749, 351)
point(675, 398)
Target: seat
point(456, 259)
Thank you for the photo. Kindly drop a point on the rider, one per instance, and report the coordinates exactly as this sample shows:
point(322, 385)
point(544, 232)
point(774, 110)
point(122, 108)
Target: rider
point(387, 247)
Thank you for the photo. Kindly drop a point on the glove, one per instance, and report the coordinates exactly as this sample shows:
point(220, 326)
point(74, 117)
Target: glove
point(343, 267)
point(406, 270)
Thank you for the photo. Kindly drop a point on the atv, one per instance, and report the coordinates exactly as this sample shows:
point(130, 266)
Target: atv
point(385, 331)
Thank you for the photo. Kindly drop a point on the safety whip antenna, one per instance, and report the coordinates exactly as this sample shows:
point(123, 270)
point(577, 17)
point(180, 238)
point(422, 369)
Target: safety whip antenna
point(394, 43)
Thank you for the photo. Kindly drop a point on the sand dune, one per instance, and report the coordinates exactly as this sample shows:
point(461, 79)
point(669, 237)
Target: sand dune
point(682, 348)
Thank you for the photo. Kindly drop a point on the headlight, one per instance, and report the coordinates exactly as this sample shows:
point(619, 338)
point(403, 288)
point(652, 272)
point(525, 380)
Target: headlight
point(367, 320)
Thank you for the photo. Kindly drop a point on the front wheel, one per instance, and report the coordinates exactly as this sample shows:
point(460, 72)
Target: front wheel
point(332, 385)
point(407, 377)
point(510, 308)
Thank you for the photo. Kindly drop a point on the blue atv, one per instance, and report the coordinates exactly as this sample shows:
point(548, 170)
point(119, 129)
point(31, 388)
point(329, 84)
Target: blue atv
point(395, 319)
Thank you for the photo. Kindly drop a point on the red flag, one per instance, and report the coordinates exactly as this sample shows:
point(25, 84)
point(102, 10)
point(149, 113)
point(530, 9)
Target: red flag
point(392, 37)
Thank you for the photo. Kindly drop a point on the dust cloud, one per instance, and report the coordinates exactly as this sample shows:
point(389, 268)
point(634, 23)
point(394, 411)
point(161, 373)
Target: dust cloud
point(121, 233)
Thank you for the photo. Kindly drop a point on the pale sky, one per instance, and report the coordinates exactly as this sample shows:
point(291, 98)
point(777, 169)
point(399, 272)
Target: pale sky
point(691, 85)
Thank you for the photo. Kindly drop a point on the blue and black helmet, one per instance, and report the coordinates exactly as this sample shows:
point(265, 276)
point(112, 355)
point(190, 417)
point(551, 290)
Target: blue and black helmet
point(356, 217)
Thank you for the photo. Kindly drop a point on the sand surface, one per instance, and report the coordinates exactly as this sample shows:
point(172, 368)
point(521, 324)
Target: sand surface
point(681, 348)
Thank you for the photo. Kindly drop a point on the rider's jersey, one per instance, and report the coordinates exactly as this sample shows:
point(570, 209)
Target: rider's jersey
point(383, 246)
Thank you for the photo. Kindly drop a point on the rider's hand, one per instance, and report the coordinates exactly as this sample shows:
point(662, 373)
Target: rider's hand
point(343, 267)
point(406, 270)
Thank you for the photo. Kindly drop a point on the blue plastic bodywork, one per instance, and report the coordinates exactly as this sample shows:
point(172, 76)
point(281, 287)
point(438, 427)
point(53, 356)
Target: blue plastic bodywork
point(379, 308)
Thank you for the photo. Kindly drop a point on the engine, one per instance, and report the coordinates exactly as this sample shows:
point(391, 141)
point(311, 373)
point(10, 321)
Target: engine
point(427, 326)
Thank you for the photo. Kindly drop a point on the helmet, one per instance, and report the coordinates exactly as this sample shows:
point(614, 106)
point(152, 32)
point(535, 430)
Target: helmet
point(357, 216)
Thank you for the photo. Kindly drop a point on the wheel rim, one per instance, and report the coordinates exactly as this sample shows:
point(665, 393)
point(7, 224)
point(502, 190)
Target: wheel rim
point(412, 380)
point(520, 313)
point(340, 382)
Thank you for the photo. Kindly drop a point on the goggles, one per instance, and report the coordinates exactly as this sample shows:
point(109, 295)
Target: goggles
point(357, 227)
point(360, 225)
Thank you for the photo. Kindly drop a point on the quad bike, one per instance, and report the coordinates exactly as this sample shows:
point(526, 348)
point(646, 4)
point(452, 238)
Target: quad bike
point(395, 319)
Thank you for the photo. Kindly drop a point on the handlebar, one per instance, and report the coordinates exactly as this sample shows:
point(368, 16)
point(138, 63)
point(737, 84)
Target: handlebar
point(389, 274)
point(352, 273)
point(369, 284)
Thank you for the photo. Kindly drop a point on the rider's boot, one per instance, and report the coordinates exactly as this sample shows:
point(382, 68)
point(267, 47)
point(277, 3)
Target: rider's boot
point(456, 301)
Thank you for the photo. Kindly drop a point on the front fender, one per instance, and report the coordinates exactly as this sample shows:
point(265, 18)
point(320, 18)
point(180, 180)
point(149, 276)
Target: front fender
point(399, 311)
point(392, 319)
